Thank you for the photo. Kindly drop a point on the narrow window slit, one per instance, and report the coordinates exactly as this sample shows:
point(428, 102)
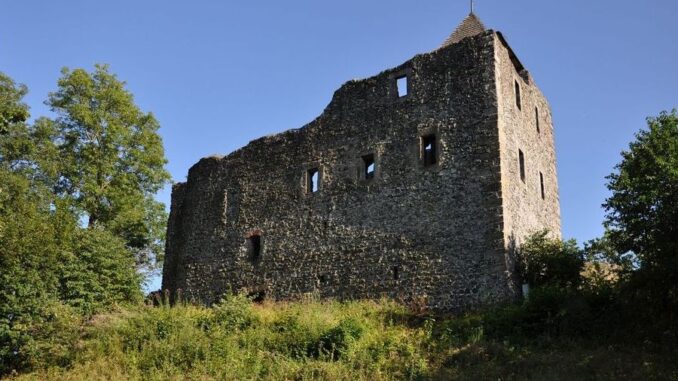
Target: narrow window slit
point(521, 160)
point(401, 83)
point(541, 182)
point(518, 103)
point(428, 150)
point(369, 166)
point(396, 273)
point(254, 246)
point(536, 119)
point(313, 180)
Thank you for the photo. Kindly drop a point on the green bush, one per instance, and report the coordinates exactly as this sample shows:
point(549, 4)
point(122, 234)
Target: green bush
point(548, 312)
point(234, 312)
point(99, 272)
point(31, 242)
point(333, 343)
point(43, 338)
point(544, 261)
point(461, 331)
point(290, 337)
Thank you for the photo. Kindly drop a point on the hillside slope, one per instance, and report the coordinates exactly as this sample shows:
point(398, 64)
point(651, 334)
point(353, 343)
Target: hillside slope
point(314, 340)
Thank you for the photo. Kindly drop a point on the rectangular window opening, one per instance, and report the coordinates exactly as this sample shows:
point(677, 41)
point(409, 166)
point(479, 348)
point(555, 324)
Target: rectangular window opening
point(518, 95)
point(536, 119)
point(401, 83)
point(396, 273)
point(541, 181)
point(255, 248)
point(313, 180)
point(428, 150)
point(521, 160)
point(369, 166)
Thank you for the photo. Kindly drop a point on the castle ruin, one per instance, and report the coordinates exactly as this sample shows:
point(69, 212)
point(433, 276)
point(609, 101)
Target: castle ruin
point(417, 183)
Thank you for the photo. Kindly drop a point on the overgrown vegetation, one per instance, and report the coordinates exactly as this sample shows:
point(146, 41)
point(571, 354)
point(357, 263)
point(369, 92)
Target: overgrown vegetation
point(79, 223)
point(78, 220)
point(576, 323)
point(544, 338)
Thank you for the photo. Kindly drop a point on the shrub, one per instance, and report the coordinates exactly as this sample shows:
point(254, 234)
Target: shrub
point(544, 261)
point(99, 273)
point(333, 343)
point(42, 339)
point(234, 312)
point(30, 253)
point(291, 338)
point(461, 331)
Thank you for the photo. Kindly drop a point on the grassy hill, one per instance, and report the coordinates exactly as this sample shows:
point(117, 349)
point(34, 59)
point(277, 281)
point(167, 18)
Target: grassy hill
point(329, 340)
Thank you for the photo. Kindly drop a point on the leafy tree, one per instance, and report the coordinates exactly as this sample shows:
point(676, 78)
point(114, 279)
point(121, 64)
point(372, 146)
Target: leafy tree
point(29, 235)
point(30, 244)
point(25, 149)
point(12, 110)
point(545, 261)
point(13, 116)
point(607, 264)
point(642, 213)
point(99, 272)
point(112, 159)
point(51, 268)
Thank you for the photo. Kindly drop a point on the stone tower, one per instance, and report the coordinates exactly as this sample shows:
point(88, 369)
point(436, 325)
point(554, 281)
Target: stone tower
point(417, 183)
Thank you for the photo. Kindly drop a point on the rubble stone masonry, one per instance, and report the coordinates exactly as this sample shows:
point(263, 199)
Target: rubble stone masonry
point(411, 192)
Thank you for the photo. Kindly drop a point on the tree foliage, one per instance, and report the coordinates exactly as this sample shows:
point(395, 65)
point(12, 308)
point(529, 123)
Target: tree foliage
point(32, 236)
point(52, 268)
point(29, 267)
point(112, 158)
point(545, 261)
point(12, 109)
point(99, 272)
point(642, 212)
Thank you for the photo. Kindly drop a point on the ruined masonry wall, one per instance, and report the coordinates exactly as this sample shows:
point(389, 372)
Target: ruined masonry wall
point(435, 233)
point(525, 211)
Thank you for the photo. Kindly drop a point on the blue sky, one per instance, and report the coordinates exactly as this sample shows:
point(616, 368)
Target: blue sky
point(218, 74)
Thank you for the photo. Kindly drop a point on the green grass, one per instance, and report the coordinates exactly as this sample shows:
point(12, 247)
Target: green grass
point(329, 340)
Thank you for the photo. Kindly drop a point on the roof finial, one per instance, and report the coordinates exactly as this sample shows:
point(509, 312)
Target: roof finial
point(472, 4)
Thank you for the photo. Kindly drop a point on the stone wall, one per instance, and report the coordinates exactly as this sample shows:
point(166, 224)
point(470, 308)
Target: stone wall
point(438, 233)
point(528, 129)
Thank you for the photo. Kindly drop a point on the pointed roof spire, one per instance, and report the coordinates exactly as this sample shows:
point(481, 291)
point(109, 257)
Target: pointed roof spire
point(469, 27)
